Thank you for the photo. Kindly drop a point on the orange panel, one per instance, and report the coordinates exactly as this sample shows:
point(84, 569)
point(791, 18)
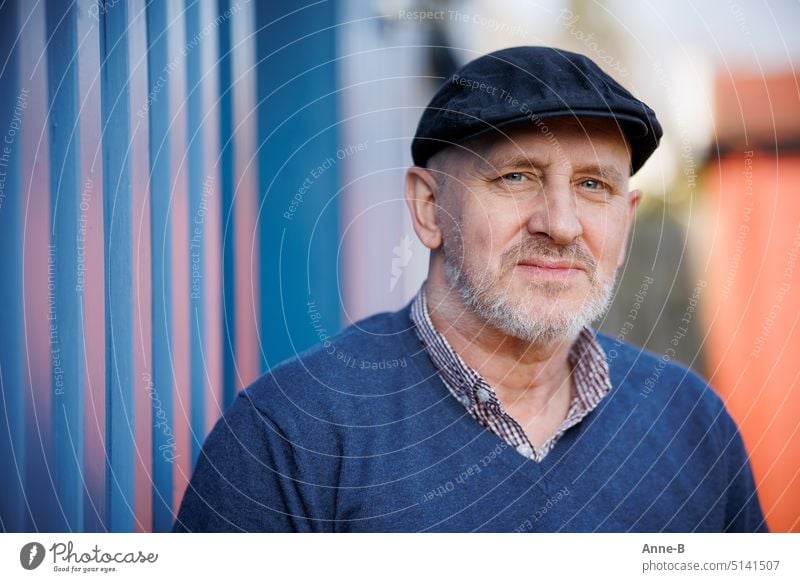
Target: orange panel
point(752, 309)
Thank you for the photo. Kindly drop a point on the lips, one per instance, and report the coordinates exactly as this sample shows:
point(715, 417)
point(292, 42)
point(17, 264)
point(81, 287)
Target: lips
point(554, 266)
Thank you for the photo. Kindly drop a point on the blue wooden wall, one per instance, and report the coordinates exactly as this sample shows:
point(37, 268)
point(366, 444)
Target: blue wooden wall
point(298, 118)
point(148, 152)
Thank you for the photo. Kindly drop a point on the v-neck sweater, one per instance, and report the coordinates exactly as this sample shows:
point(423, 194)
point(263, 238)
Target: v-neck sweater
point(360, 434)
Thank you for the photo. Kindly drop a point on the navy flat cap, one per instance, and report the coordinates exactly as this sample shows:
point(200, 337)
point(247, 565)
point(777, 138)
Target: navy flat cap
point(530, 83)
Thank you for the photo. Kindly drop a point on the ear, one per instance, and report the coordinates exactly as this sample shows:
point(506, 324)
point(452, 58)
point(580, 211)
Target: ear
point(422, 197)
point(634, 196)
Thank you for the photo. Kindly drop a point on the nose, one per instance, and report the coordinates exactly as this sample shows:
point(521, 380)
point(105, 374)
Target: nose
point(556, 214)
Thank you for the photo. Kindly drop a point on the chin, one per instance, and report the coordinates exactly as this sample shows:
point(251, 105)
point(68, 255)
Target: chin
point(537, 318)
point(542, 332)
point(540, 322)
point(530, 290)
point(545, 299)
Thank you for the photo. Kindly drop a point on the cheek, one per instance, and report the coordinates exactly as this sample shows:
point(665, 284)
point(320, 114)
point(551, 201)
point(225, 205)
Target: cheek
point(605, 238)
point(486, 237)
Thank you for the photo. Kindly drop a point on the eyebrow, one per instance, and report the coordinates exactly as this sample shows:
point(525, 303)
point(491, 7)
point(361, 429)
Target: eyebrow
point(515, 160)
point(610, 173)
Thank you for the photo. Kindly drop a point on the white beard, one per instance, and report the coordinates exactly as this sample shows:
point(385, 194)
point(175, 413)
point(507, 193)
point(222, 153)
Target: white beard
point(498, 310)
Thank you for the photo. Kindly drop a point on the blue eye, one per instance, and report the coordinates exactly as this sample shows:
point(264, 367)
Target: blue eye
point(514, 177)
point(592, 184)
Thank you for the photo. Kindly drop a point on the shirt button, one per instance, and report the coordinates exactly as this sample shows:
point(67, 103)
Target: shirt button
point(464, 400)
point(525, 450)
point(484, 395)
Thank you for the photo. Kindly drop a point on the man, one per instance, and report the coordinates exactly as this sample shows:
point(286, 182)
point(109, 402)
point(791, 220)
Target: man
point(488, 403)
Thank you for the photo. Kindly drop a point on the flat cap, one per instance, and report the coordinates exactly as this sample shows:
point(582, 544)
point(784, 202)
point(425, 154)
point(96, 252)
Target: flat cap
point(530, 83)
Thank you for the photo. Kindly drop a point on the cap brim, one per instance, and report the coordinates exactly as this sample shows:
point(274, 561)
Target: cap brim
point(638, 134)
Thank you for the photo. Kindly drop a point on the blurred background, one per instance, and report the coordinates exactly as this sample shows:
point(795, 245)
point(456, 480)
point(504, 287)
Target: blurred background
point(193, 190)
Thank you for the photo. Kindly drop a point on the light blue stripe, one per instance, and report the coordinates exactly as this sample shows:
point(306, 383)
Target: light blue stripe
point(200, 191)
point(117, 208)
point(161, 390)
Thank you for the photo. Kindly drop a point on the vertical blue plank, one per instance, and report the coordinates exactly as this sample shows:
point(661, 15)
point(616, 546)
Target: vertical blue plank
point(117, 208)
point(161, 232)
point(295, 68)
point(65, 297)
point(227, 189)
point(12, 409)
point(198, 193)
point(91, 246)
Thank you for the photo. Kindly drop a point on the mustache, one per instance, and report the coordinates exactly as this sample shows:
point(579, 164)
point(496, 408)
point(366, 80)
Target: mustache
point(532, 248)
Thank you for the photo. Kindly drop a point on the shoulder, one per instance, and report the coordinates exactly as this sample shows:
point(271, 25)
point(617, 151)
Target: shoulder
point(633, 363)
point(363, 339)
point(658, 381)
point(680, 412)
point(673, 401)
point(375, 340)
point(330, 380)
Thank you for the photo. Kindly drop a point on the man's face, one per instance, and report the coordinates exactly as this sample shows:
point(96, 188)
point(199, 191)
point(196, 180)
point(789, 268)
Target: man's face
point(535, 224)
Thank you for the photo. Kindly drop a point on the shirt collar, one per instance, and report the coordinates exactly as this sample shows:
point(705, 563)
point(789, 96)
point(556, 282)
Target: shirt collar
point(586, 357)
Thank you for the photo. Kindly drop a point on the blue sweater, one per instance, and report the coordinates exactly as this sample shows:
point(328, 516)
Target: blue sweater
point(360, 434)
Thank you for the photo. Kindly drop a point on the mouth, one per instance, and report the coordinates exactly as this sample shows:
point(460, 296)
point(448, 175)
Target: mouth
point(549, 269)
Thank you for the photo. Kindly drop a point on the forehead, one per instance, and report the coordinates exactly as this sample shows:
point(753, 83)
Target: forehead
point(553, 139)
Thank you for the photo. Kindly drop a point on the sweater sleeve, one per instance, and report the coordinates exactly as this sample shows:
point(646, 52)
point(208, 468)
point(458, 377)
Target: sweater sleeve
point(247, 479)
point(743, 510)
